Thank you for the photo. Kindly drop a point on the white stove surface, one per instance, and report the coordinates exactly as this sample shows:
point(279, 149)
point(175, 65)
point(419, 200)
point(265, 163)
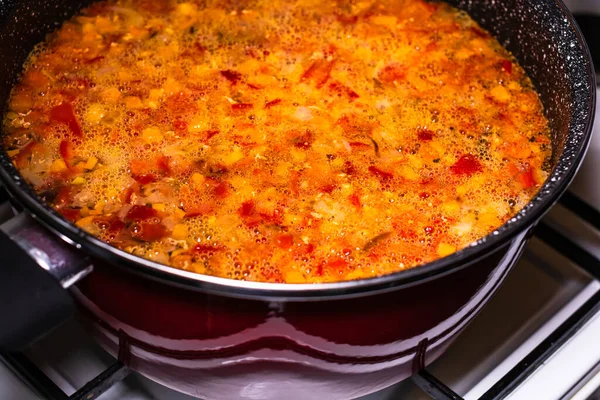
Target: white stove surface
point(541, 292)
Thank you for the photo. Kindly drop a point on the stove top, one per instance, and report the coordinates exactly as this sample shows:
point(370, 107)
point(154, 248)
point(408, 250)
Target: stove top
point(536, 339)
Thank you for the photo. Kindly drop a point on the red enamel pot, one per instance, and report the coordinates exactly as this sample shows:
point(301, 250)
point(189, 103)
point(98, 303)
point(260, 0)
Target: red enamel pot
point(217, 338)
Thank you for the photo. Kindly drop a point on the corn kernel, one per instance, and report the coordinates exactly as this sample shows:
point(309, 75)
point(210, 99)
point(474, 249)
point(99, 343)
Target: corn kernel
point(186, 9)
point(78, 181)
point(514, 86)
point(197, 125)
point(94, 113)
point(299, 155)
point(445, 249)
point(99, 205)
point(91, 163)
point(110, 95)
point(85, 222)
point(294, 277)
point(451, 207)
point(177, 252)
point(58, 165)
point(152, 134)
point(198, 268)
point(159, 206)
point(499, 93)
point(408, 173)
point(156, 94)
point(197, 179)
point(133, 102)
point(233, 157)
point(356, 274)
point(180, 232)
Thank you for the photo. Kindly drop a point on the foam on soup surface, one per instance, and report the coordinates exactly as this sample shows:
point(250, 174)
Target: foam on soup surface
point(279, 141)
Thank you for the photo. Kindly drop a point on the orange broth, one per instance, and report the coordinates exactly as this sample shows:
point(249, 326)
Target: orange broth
point(296, 141)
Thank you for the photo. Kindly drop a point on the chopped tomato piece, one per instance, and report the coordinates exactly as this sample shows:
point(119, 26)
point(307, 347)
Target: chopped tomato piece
point(145, 179)
point(343, 90)
point(271, 103)
point(241, 106)
point(506, 66)
point(148, 171)
point(140, 213)
point(26, 152)
point(221, 190)
point(359, 145)
point(93, 60)
point(304, 141)
point(337, 263)
point(125, 196)
point(319, 270)
point(346, 19)
point(116, 225)
point(111, 224)
point(354, 200)
point(204, 248)
point(354, 125)
point(318, 72)
point(393, 73)
point(526, 178)
point(232, 76)
point(64, 114)
point(71, 214)
point(380, 173)
point(162, 163)
point(349, 168)
point(199, 209)
point(466, 165)
point(294, 182)
point(66, 150)
point(180, 103)
point(196, 52)
point(328, 188)
point(210, 134)
point(425, 134)
point(149, 232)
point(284, 241)
point(180, 125)
point(275, 218)
point(63, 196)
point(247, 208)
point(480, 32)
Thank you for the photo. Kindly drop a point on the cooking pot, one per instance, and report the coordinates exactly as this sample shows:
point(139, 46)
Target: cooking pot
point(217, 338)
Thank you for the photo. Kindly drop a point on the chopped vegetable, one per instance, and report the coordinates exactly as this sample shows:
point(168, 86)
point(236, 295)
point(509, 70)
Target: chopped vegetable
point(279, 142)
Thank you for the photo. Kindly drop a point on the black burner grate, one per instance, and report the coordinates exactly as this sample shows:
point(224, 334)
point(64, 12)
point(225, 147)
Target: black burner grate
point(46, 389)
point(437, 390)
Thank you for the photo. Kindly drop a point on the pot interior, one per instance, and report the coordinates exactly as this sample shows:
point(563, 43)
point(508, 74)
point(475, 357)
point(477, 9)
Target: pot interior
point(540, 34)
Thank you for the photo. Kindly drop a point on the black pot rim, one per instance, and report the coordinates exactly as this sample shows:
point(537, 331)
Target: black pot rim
point(520, 224)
